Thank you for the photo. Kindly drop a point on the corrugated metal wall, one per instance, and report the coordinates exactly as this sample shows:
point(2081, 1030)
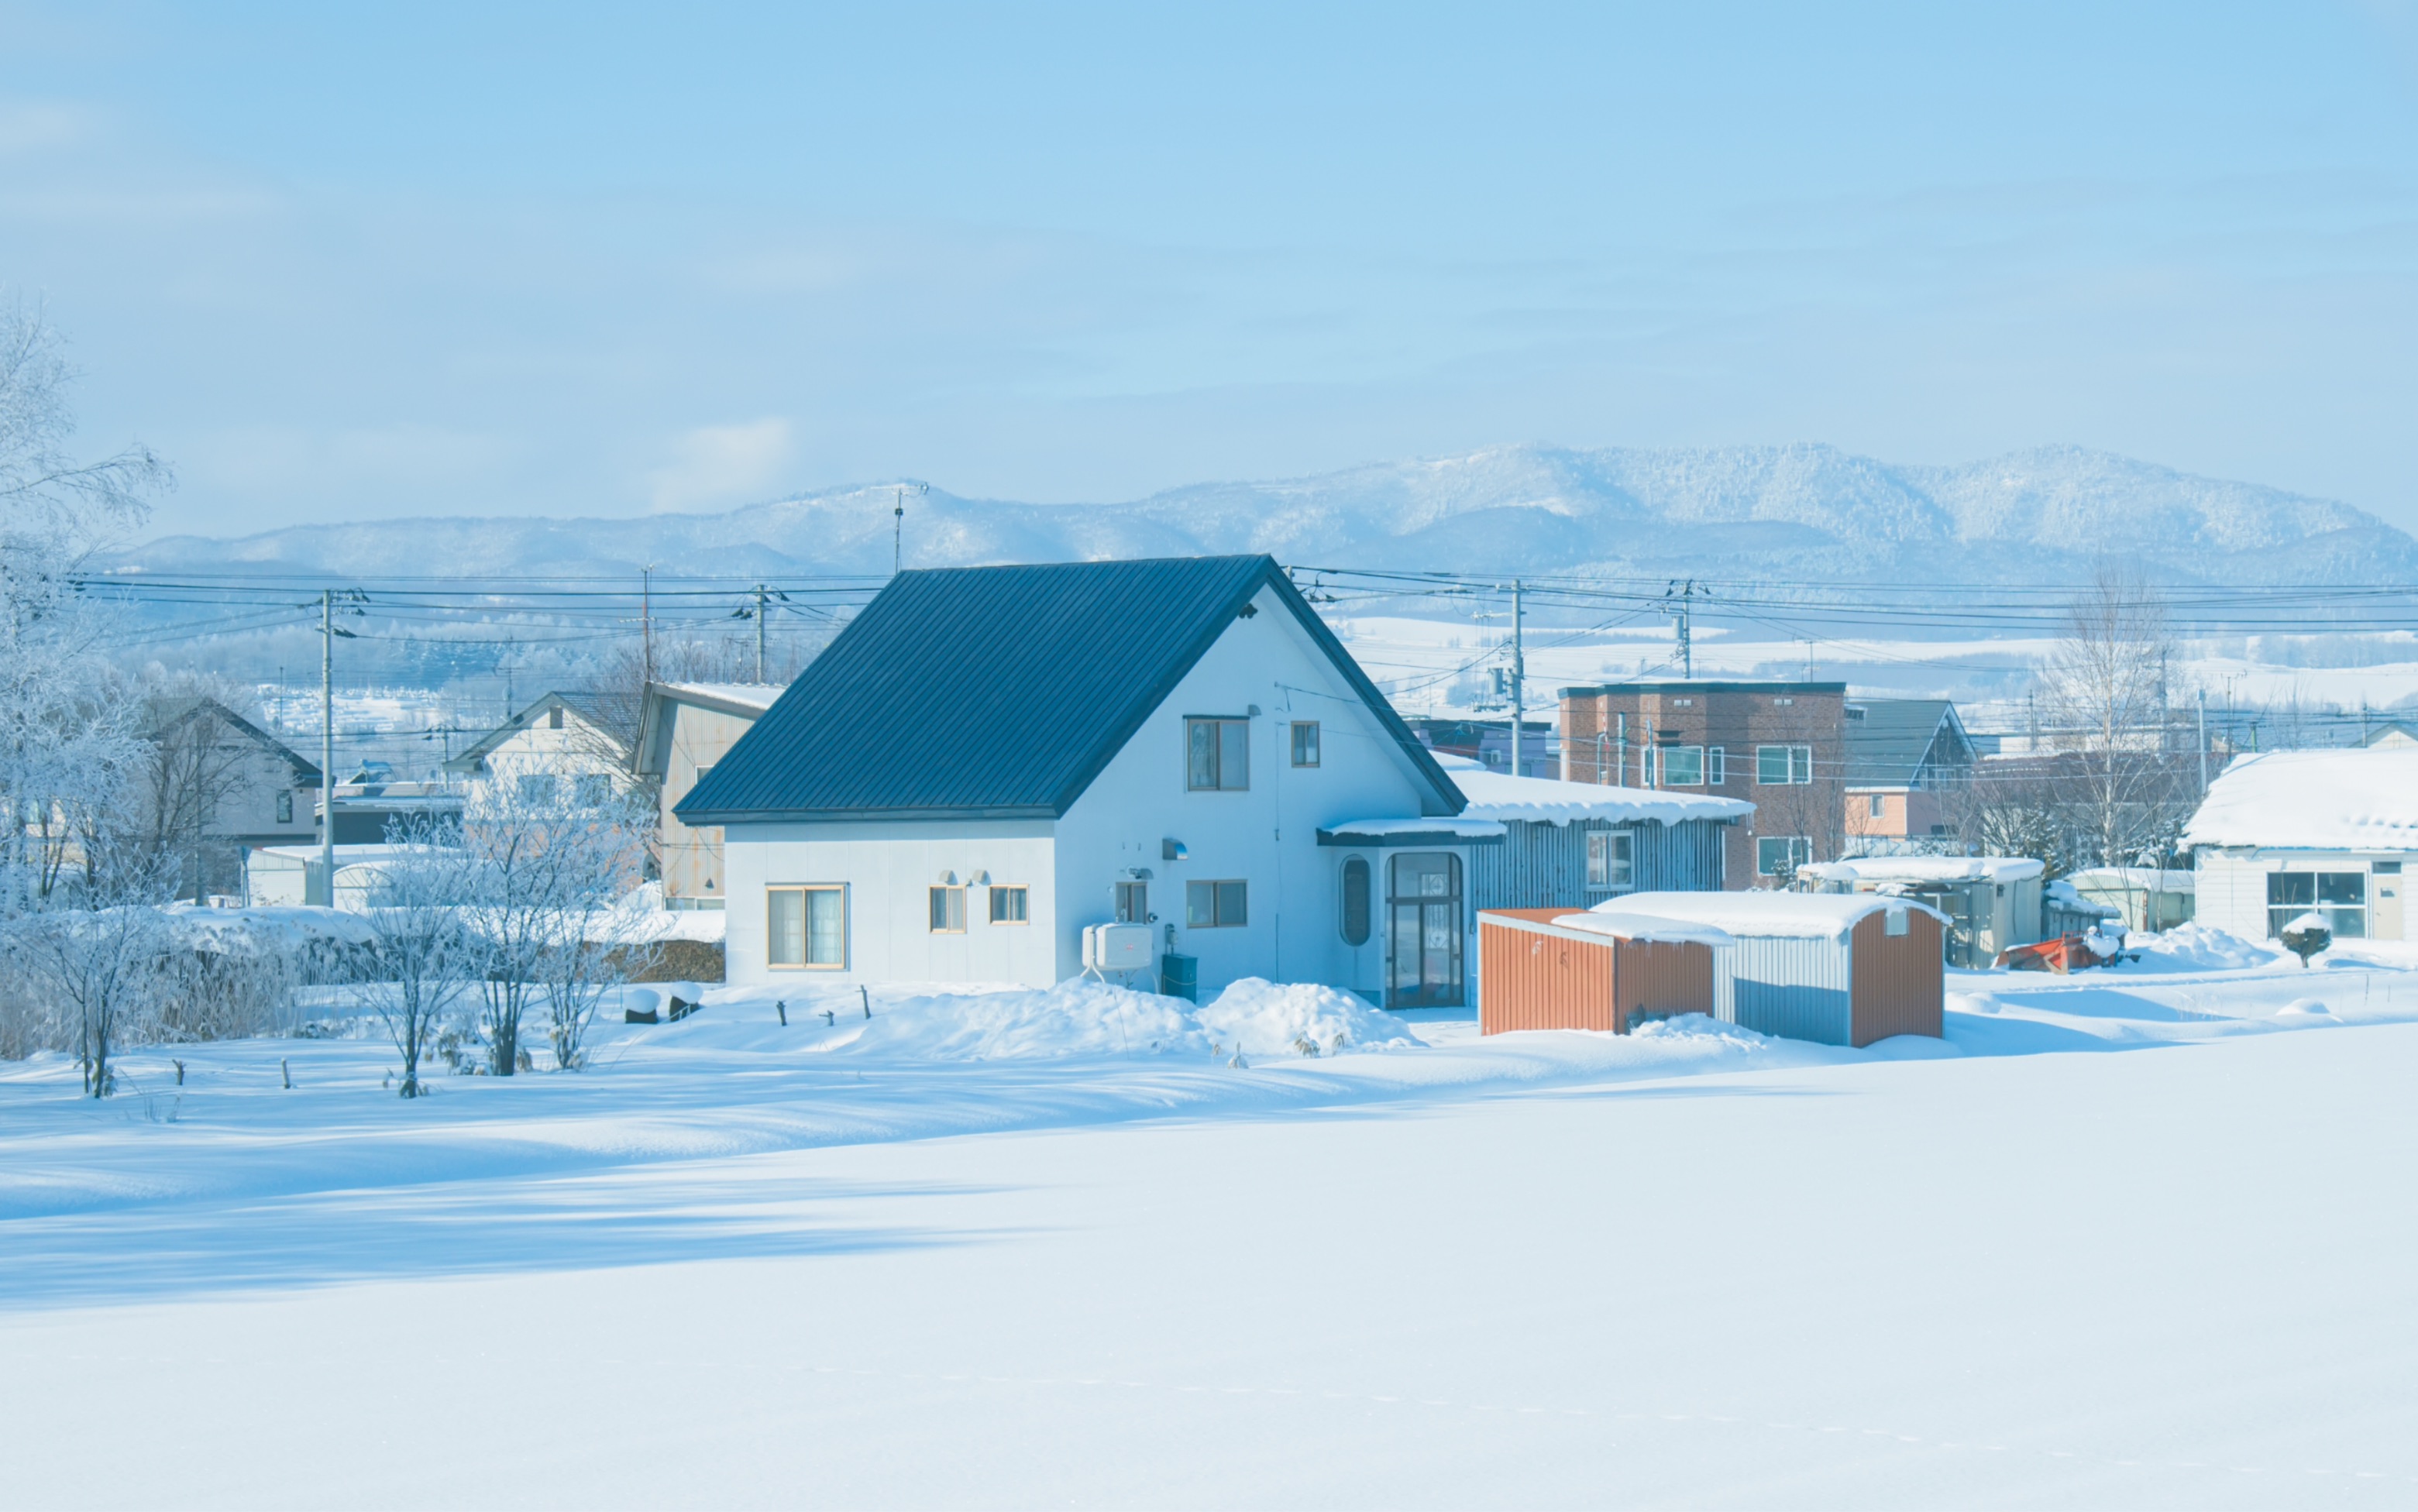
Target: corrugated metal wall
point(1531, 979)
point(1786, 985)
point(1544, 865)
point(1660, 978)
point(1900, 982)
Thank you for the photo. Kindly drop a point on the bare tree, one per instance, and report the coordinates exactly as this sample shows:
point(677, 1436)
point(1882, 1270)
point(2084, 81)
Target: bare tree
point(425, 953)
point(2106, 694)
point(192, 762)
point(547, 860)
point(99, 959)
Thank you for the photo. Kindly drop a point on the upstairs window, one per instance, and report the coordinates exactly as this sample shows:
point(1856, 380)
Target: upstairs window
point(554, 719)
point(1683, 766)
point(592, 790)
point(1780, 766)
point(1717, 767)
point(1781, 855)
point(285, 806)
point(537, 788)
point(1217, 754)
point(1305, 742)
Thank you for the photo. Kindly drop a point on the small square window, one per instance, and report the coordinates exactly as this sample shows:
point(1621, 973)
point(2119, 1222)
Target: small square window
point(948, 910)
point(1008, 903)
point(592, 790)
point(1305, 742)
point(286, 807)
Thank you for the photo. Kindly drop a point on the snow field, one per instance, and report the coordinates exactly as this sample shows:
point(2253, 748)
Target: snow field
point(986, 1248)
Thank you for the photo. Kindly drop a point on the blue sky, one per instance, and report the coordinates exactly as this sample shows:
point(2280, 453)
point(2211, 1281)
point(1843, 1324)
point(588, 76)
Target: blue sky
point(347, 261)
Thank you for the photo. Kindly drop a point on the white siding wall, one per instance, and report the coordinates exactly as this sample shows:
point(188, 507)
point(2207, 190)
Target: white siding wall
point(1266, 836)
point(2230, 892)
point(889, 870)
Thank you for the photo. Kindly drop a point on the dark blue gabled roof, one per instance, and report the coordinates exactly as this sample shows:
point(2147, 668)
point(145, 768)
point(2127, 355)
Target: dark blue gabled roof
point(999, 692)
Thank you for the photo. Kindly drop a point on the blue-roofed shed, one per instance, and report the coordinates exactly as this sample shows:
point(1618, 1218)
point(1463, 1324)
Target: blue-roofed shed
point(989, 759)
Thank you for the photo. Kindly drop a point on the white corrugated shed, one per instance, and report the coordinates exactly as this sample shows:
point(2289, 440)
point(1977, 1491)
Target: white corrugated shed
point(1789, 969)
point(2354, 799)
point(1645, 927)
point(1793, 915)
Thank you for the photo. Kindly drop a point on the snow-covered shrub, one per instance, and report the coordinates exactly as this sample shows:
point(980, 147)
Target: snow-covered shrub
point(1262, 1018)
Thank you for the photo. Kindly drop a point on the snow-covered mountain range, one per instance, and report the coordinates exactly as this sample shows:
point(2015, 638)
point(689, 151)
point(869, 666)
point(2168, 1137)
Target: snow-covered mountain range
point(1811, 514)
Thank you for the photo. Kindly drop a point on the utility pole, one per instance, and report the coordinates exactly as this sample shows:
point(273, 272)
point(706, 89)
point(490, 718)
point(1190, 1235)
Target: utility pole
point(647, 623)
point(759, 633)
point(898, 526)
point(327, 748)
point(2203, 740)
point(1682, 596)
point(1519, 681)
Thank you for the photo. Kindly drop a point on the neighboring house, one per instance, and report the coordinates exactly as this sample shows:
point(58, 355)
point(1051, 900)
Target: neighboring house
point(561, 736)
point(211, 785)
point(2391, 735)
point(1781, 746)
point(1907, 758)
point(987, 760)
point(1488, 742)
point(2288, 832)
point(370, 803)
point(683, 730)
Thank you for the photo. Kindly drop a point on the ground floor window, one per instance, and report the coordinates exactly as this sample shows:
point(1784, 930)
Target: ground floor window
point(1609, 859)
point(807, 927)
point(1008, 903)
point(1217, 905)
point(2340, 898)
point(1356, 901)
point(1780, 855)
point(1133, 903)
point(948, 910)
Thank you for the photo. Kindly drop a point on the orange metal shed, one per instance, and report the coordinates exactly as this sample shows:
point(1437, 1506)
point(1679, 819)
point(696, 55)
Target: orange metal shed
point(1533, 973)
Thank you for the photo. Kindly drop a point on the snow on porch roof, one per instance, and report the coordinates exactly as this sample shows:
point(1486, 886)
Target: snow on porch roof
point(1437, 832)
point(2351, 799)
point(1499, 795)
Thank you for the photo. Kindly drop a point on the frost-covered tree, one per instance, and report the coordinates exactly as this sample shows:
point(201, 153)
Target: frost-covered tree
point(2123, 780)
point(549, 855)
point(99, 959)
point(66, 735)
point(425, 955)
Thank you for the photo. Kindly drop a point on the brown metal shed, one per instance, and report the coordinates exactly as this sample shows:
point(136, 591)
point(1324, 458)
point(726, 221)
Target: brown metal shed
point(1535, 973)
point(1837, 969)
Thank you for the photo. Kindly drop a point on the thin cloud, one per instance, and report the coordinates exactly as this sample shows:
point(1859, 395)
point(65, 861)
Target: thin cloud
point(722, 463)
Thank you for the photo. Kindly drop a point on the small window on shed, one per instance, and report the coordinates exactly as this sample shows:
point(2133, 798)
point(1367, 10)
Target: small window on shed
point(1896, 924)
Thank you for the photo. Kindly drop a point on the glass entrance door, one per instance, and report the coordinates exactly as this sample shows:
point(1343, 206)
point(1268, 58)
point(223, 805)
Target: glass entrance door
point(1423, 950)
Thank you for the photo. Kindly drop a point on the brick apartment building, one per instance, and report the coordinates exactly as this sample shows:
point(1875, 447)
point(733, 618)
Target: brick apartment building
point(1781, 746)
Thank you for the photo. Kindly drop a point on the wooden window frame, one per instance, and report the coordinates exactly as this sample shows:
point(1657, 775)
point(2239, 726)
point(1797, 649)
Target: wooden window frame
point(806, 928)
point(1216, 886)
point(999, 892)
point(934, 909)
point(1218, 783)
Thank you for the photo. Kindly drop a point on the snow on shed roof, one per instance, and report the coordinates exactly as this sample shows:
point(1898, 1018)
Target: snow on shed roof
point(1646, 926)
point(1924, 869)
point(1499, 795)
point(2134, 879)
point(2350, 799)
point(1801, 915)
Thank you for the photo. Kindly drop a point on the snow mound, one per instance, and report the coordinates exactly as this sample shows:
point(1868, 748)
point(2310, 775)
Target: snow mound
point(2196, 947)
point(2306, 1008)
point(1262, 1018)
point(1075, 1018)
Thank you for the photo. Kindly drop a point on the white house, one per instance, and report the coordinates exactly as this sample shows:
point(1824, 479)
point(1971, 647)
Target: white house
point(989, 759)
point(2282, 832)
point(561, 736)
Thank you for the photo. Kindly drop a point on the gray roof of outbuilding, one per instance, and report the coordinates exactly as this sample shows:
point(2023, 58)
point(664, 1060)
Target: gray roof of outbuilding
point(1001, 692)
point(1886, 746)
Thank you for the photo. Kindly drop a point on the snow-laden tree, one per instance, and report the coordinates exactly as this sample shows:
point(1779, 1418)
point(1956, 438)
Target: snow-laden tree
point(98, 963)
point(549, 854)
point(67, 733)
point(426, 955)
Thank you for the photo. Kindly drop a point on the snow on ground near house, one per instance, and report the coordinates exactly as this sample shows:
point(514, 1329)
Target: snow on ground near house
point(845, 1262)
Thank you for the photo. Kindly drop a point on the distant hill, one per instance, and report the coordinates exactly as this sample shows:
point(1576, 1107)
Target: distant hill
point(1780, 513)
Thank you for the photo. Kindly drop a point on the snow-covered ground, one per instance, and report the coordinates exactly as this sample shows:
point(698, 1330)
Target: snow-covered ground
point(1016, 1248)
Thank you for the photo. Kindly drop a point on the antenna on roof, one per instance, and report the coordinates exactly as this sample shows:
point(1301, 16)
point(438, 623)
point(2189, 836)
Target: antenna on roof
point(899, 523)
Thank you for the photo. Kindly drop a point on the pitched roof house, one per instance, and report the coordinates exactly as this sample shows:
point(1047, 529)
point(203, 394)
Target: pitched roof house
point(1903, 757)
point(2287, 832)
point(989, 759)
point(685, 729)
point(561, 735)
